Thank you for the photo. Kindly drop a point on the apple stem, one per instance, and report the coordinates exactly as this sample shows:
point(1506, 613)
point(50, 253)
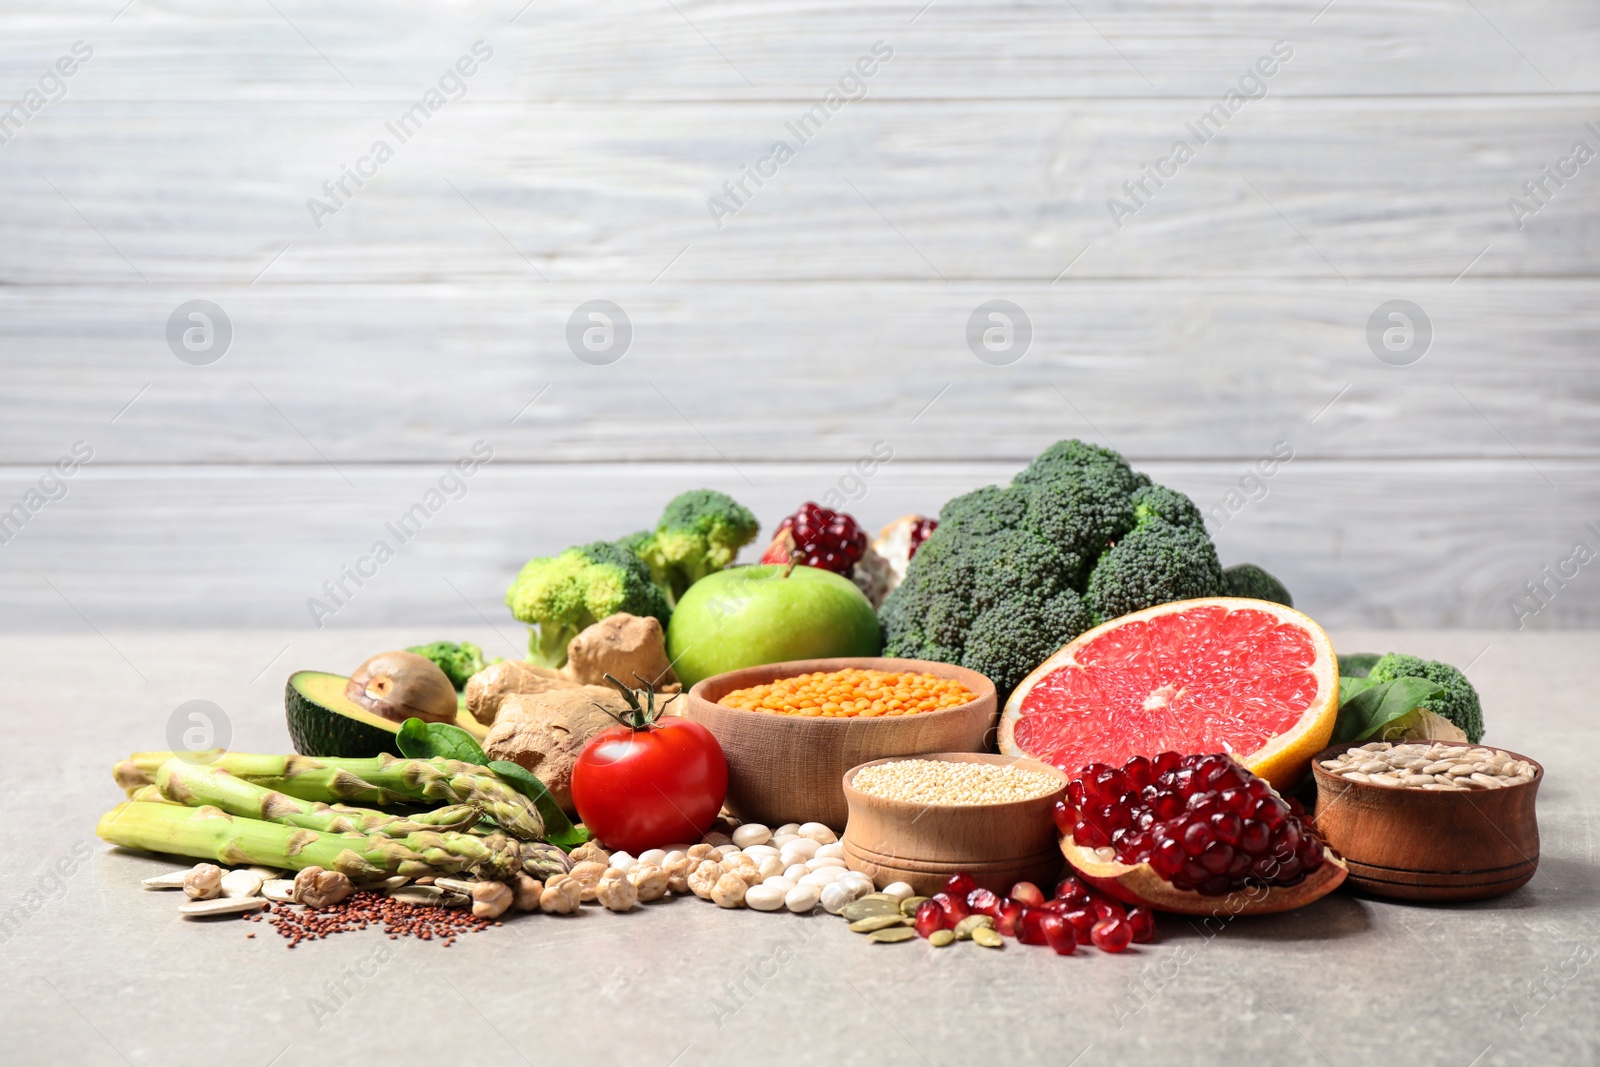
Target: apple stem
point(791, 551)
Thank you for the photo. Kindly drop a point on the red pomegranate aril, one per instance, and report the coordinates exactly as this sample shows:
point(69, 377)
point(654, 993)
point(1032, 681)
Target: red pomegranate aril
point(1196, 837)
point(1087, 833)
point(1059, 935)
point(1255, 836)
point(983, 902)
point(1142, 923)
point(1139, 771)
point(1227, 826)
point(1111, 935)
point(955, 908)
point(1082, 920)
point(930, 917)
point(1168, 857)
point(1107, 909)
point(1071, 888)
point(1006, 919)
point(1217, 858)
point(959, 885)
point(1028, 894)
point(1065, 815)
point(1029, 926)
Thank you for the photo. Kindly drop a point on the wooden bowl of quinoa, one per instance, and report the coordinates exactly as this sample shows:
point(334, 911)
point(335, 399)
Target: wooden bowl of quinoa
point(921, 819)
point(789, 768)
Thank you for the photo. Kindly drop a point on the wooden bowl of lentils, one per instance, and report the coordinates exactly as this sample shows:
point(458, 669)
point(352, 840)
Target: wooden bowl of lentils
point(1430, 820)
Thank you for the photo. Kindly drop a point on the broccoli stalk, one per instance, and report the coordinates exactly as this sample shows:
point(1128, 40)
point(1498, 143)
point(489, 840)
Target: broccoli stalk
point(700, 532)
point(561, 595)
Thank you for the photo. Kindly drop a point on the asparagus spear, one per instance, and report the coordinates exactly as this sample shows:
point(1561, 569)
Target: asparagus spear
point(184, 782)
point(381, 781)
point(210, 833)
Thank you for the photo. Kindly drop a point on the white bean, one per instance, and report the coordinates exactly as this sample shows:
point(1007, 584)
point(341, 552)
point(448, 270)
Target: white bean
point(899, 890)
point(724, 851)
point(755, 852)
point(751, 833)
point(823, 876)
point(796, 871)
point(824, 861)
point(787, 828)
point(781, 882)
point(802, 898)
point(764, 897)
point(656, 856)
point(780, 840)
point(675, 856)
point(840, 893)
point(834, 849)
point(818, 833)
point(803, 845)
point(770, 866)
point(621, 861)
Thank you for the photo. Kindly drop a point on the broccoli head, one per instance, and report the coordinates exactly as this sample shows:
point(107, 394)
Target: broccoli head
point(700, 532)
point(1014, 572)
point(459, 661)
point(1458, 702)
point(562, 595)
point(1248, 580)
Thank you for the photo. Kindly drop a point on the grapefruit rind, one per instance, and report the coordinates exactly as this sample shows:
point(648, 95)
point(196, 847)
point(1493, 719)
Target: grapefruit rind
point(1137, 883)
point(1284, 760)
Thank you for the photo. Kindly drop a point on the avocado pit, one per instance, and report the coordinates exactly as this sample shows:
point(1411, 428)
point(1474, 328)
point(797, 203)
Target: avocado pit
point(403, 685)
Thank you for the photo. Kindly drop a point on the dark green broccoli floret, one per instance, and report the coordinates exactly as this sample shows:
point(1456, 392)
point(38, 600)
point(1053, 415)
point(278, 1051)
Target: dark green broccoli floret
point(1009, 640)
point(1458, 702)
point(1156, 563)
point(459, 661)
point(980, 513)
point(1159, 502)
point(561, 595)
point(1248, 580)
point(700, 531)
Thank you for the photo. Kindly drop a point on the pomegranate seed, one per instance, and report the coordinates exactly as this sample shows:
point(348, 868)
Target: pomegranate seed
point(1111, 935)
point(823, 538)
point(1142, 921)
point(960, 885)
point(1059, 935)
point(1006, 919)
point(1027, 893)
point(1071, 888)
point(1082, 920)
point(1107, 909)
point(955, 908)
point(920, 532)
point(930, 917)
point(983, 902)
point(1065, 815)
point(1030, 930)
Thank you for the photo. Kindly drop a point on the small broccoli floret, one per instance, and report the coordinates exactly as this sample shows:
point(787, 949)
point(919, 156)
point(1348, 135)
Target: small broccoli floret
point(700, 532)
point(1248, 580)
point(980, 513)
point(459, 661)
point(1459, 701)
point(1156, 563)
point(562, 595)
point(1009, 640)
point(1159, 502)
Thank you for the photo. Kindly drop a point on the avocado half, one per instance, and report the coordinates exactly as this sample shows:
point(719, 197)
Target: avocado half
point(325, 722)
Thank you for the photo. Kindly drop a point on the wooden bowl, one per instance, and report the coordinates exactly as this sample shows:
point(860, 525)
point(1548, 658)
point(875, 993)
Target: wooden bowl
point(788, 768)
point(1420, 844)
point(924, 844)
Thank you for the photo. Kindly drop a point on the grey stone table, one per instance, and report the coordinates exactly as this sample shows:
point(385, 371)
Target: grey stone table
point(99, 972)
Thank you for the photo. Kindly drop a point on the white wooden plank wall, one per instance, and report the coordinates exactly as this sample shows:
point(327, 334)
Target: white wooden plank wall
point(1228, 313)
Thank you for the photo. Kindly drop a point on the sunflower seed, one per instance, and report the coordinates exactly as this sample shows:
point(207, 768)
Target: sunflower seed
point(241, 884)
point(279, 890)
point(198, 909)
point(174, 880)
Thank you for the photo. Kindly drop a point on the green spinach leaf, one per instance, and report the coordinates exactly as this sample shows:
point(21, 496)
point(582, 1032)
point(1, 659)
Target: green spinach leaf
point(558, 829)
point(1364, 713)
point(427, 740)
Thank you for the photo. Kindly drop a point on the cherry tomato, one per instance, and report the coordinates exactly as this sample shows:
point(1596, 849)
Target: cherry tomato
point(642, 789)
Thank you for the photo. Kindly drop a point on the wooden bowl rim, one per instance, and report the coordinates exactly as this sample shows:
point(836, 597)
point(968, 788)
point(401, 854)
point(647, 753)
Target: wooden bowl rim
point(697, 697)
point(905, 806)
point(1320, 775)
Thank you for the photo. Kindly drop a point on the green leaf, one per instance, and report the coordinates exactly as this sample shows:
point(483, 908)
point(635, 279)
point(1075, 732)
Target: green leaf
point(1358, 664)
point(426, 740)
point(1350, 686)
point(1368, 711)
point(558, 829)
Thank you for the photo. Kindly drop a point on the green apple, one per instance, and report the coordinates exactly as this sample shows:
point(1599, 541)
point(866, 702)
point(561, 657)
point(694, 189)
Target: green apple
point(746, 616)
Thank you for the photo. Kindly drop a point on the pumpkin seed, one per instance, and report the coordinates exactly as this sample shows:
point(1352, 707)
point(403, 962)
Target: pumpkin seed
point(878, 922)
point(988, 938)
point(941, 938)
point(893, 933)
point(909, 906)
point(965, 928)
point(867, 907)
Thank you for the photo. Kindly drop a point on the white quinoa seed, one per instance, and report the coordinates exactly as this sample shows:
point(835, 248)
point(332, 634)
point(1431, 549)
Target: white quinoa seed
point(921, 781)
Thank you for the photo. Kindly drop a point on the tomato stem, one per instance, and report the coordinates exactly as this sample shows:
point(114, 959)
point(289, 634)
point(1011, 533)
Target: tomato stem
point(639, 716)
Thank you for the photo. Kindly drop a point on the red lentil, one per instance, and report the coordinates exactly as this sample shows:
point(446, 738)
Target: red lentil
point(852, 693)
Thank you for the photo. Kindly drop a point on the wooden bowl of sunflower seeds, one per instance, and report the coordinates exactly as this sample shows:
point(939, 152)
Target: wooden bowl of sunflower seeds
point(1430, 820)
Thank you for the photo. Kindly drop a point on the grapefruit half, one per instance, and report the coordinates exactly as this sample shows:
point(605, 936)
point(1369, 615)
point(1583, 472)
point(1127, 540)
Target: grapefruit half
point(1248, 677)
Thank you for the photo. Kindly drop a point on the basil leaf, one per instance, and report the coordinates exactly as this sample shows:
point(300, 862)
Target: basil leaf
point(426, 740)
point(558, 829)
point(1367, 712)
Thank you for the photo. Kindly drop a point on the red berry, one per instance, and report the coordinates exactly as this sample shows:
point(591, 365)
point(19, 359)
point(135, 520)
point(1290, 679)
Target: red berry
point(1027, 893)
point(1111, 935)
point(1006, 918)
point(983, 902)
point(1059, 935)
point(959, 885)
point(930, 917)
point(1142, 921)
point(1030, 929)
